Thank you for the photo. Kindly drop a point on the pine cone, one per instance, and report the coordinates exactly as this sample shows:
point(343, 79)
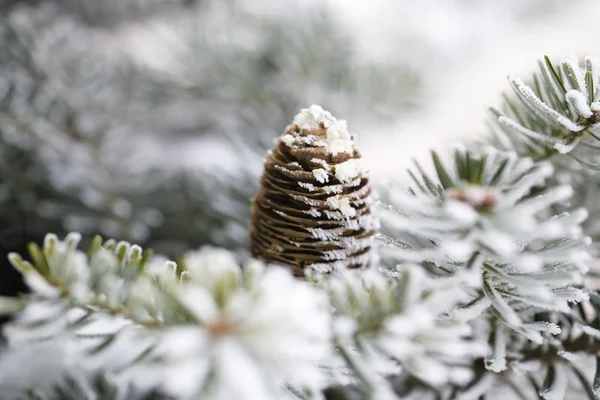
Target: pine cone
point(313, 209)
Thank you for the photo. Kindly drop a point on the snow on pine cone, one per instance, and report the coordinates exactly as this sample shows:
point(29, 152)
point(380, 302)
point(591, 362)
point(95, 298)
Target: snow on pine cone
point(313, 209)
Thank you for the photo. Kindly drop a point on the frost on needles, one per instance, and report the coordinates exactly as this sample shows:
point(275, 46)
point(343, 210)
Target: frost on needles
point(483, 220)
point(196, 327)
point(558, 111)
point(480, 291)
point(204, 327)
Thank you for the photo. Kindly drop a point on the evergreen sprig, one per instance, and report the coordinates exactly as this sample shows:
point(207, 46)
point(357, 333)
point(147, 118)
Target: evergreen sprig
point(485, 219)
point(556, 112)
point(396, 324)
point(145, 320)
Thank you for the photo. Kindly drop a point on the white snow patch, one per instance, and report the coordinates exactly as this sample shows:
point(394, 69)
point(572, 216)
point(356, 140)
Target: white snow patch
point(313, 212)
point(335, 189)
point(305, 200)
point(308, 186)
point(338, 138)
point(310, 118)
point(288, 140)
point(348, 170)
point(321, 175)
point(321, 162)
point(342, 204)
point(333, 255)
point(333, 214)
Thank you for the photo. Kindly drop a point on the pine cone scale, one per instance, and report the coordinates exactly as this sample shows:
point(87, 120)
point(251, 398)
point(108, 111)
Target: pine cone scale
point(335, 242)
point(310, 216)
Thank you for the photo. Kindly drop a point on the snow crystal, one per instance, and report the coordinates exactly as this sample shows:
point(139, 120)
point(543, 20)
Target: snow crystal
point(289, 171)
point(281, 213)
point(313, 212)
point(323, 234)
point(321, 162)
point(335, 189)
point(338, 139)
point(323, 268)
point(333, 214)
point(348, 170)
point(333, 255)
point(305, 200)
point(288, 140)
point(571, 294)
point(310, 118)
point(357, 182)
point(342, 204)
point(321, 175)
point(308, 186)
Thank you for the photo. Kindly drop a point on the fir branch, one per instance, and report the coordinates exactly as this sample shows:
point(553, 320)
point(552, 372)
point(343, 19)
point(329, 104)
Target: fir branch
point(208, 304)
point(373, 321)
point(516, 268)
point(555, 114)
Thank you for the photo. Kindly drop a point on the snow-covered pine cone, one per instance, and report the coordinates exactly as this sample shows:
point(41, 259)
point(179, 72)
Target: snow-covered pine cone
point(313, 209)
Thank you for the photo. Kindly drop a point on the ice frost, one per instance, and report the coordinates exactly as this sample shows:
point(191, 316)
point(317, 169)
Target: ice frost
point(542, 108)
point(322, 163)
point(579, 103)
point(523, 257)
point(310, 118)
point(320, 175)
point(571, 64)
point(348, 170)
point(401, 317)
point(342, 204)
point(308, 186)
point(338, 139)
point(288, 140)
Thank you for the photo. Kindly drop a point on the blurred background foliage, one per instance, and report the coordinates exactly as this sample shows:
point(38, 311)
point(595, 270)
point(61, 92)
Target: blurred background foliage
point(95, 140)
point(148, 120)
